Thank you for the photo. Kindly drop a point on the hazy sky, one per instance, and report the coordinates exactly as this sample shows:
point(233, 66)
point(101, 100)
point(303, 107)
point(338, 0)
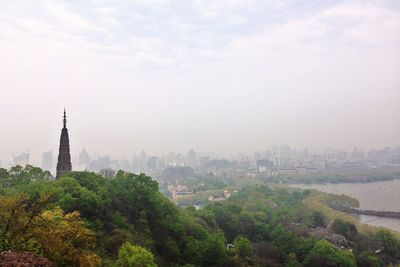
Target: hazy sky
point(222, 75)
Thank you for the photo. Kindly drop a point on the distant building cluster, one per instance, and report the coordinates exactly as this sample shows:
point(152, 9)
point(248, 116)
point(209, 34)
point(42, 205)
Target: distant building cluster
point(220, 196)
point(280, 160)
point(177, 191)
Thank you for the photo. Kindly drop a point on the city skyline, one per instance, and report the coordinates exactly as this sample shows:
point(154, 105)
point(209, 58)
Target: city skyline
point(24, 157)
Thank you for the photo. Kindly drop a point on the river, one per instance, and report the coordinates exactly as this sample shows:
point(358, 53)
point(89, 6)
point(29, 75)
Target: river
point(384, 196)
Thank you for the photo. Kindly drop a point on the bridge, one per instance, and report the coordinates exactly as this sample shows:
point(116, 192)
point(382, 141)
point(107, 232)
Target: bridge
point(389, 214)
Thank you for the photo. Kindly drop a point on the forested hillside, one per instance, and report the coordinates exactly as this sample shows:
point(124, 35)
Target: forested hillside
point(86, 219)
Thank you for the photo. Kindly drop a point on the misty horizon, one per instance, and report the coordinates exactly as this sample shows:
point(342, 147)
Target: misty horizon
point(213, 76)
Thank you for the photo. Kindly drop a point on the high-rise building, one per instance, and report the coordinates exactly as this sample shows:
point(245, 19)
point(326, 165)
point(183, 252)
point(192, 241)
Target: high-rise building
point(47, 160)
point(21, 159)
point(64, 158)
point(143, 159)
point(284, 156)
point(152, 163)
point(84, 157)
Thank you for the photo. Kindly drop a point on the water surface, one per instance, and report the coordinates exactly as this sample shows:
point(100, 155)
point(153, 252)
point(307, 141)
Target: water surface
point(384, 196)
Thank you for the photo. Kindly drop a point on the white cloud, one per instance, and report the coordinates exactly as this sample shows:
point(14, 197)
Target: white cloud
point(61, 13)
point(349, 28)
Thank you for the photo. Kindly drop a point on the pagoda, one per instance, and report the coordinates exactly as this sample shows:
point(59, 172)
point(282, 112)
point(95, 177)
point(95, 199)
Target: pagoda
point(64, 157)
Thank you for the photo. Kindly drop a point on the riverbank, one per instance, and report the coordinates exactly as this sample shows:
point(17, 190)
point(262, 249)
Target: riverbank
point(376, 196)
point(335, 180)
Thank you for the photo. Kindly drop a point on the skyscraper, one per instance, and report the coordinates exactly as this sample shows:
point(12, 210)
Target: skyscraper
point(84, 158)
point(64, 157)
point(47, 161)
point(21, 159)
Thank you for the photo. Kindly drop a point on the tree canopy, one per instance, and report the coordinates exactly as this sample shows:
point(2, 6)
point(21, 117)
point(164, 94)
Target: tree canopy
point(87, 219)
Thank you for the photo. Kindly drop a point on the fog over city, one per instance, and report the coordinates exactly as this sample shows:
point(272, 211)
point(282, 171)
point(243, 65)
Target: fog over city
point(223, 76)
point(218, 133)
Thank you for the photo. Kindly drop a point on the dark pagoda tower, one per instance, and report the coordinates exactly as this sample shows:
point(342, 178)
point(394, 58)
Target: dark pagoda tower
point(64, 158)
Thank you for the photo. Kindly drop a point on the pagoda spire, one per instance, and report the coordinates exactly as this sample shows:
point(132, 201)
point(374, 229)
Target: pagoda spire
point(65, 119)
point(64, 158)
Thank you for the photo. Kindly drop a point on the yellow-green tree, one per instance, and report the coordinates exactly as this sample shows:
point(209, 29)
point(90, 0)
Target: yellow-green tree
point(134, 256)
point(25, 225)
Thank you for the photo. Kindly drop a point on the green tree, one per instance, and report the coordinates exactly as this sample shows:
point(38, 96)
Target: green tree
point(344, 228)
point(74, 196)
point(18, 175)
point(134, 256)
point(318, 219)
point(243, 249)
point(243, 246)
point(214, 250)
point(3, 173)
point(369, 259)
point(326, 254)
point(391, 245)
point(292, 261)
point(193, 252)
